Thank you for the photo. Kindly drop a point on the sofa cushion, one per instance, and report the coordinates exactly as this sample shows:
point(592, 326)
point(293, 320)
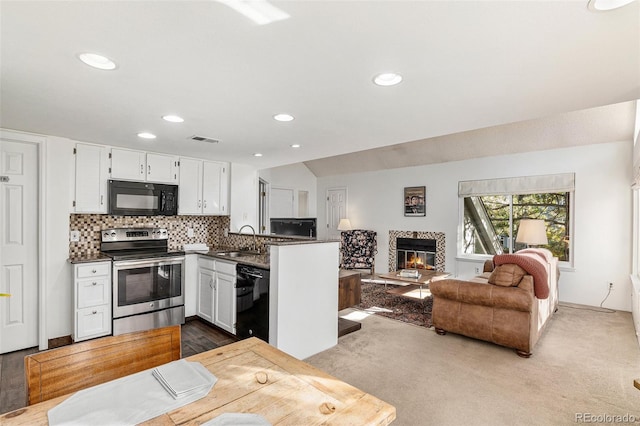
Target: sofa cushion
point(533, 264)
point(507, 275)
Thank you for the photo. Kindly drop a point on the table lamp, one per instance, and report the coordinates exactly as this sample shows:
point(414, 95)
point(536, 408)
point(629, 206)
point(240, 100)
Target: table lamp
point(532, 232)
point(344, 225)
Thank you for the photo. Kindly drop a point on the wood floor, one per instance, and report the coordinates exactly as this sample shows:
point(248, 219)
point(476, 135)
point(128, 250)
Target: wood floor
point(197, 336)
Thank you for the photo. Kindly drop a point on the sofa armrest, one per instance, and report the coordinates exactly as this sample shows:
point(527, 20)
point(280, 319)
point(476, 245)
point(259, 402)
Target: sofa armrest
point(519, 298)
point(488, 266)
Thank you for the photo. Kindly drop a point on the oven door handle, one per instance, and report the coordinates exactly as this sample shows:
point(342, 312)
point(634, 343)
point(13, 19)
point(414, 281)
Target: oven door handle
point(149, 262)
point(249, 274)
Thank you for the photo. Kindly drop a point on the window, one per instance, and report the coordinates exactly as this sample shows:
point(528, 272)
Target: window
point(491, 222)
point(492, 210)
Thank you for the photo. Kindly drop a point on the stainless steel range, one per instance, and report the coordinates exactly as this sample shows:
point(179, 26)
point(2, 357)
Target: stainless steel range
point(148, 280)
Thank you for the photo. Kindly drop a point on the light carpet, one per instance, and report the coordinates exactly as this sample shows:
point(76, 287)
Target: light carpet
point(584, 365)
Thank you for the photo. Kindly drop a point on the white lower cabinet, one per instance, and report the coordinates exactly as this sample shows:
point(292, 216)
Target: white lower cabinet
point(224, 312)
point(217, 292)
point(206, 281)
point(92, 300)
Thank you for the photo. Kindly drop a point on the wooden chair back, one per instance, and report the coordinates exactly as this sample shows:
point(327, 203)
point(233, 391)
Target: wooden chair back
point(64, 370)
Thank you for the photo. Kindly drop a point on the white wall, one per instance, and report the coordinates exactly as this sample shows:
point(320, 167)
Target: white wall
point(60, 187)
point(297, 177)
point(602, 228)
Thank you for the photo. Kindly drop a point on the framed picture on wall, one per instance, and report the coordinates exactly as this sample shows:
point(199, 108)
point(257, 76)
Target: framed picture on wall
point(414, 201)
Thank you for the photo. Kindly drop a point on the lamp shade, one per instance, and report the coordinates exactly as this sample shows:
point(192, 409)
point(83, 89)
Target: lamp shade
point(532, 231)
point(344, 225)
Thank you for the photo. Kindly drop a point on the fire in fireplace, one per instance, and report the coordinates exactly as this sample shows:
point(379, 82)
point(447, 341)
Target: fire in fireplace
point(415, 253)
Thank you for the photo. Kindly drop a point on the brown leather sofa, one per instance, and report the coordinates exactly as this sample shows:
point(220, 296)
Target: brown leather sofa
point(508, 314)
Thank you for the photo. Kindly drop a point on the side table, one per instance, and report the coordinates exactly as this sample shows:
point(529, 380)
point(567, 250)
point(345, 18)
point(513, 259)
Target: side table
point(349, 289)
point(349, 293)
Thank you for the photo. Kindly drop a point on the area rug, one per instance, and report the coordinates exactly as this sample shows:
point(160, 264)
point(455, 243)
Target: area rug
point(374, 296)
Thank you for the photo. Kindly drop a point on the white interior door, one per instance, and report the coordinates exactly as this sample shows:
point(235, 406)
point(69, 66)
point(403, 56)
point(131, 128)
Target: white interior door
point(336, 210)
point(18, 245)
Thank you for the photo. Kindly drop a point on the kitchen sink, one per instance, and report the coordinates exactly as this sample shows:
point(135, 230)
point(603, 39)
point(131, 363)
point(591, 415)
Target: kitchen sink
point(236, 253)
point(230, 253)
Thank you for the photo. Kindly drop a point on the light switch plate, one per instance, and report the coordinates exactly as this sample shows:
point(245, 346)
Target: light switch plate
point(74, 236)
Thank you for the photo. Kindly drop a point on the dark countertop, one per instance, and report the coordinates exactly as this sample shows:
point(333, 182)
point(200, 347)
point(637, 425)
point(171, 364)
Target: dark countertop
point(300, 242)
point(257, 260)
point(89, 258)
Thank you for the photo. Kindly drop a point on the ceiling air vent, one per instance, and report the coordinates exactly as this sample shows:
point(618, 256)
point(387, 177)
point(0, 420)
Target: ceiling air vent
point(203, 139)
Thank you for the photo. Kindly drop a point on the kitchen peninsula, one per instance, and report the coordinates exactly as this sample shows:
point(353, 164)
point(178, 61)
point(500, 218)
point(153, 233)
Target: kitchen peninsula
point(304, 296)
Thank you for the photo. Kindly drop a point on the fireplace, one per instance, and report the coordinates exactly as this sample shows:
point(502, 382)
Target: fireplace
point(425, 247)
point(415, 253)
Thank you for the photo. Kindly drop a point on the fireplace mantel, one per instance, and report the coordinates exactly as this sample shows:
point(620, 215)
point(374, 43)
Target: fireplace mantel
point(440, 246)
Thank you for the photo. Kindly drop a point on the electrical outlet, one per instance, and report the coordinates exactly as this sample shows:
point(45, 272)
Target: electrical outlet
point(477, 269)
point(74, 236)
point(190, 232)
point(611, 286)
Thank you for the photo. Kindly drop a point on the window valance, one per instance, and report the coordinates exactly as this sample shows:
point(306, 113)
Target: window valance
point(562, 182)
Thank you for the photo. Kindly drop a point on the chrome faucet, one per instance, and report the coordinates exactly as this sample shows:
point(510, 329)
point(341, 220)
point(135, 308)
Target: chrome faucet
point(255, 241)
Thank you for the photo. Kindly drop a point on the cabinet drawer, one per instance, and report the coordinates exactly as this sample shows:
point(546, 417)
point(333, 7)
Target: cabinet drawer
point(207, 262)
point(93, 292)
point(226, 267)
point(93, 269)
point(93, 322)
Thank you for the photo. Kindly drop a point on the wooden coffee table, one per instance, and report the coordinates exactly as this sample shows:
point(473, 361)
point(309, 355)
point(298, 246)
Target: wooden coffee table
point(409, 285)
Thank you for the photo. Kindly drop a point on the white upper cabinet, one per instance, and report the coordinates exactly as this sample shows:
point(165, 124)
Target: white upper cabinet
point(190, 189)
point(214, 184)
point(203, 187)
point(162, 168)
point(127, 164)
point(92, 175)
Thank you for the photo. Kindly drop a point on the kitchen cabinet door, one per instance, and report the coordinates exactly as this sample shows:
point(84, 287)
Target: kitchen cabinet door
point(190, 189)
point(206, 281)
point(162, 168)
point(92, 322)
point(127, 164)
point(91, 180)
point(190, 284)
point(225, 302)
point(214, 188)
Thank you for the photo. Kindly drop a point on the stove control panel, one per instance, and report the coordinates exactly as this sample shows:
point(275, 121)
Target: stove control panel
point(134, 234)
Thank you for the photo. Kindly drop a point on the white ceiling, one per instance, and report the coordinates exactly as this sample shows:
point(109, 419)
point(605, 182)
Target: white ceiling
point(466, 66)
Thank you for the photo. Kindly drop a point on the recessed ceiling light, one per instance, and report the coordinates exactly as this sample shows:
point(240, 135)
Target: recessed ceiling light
point(257, 154)
point(295, 145)
point(261, 12)
point(283, 117)
point(97, 61)
point(604, 5)
point(146, 135)
point(173, 118)
point(387, 79)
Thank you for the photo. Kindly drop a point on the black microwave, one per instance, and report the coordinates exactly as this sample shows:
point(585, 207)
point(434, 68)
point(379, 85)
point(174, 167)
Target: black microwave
point(142, 199)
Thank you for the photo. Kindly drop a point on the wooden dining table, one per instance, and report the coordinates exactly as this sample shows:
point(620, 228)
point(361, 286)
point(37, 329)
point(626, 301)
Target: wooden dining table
point(254, 377)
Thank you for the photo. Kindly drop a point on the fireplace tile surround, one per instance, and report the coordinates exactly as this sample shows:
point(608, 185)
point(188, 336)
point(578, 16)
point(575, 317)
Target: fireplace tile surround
point(439, 237)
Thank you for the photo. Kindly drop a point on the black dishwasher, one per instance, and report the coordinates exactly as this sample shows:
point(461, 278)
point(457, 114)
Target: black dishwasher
point(252, 302)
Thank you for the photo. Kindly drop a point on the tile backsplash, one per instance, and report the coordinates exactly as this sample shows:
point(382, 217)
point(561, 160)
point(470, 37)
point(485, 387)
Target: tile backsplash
point(209, 230)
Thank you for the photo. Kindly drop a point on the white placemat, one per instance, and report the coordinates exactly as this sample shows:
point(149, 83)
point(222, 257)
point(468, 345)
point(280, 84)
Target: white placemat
point(126, 401)
point(238, 419)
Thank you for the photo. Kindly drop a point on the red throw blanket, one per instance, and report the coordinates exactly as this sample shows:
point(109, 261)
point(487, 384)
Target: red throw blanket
point(532, 261)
